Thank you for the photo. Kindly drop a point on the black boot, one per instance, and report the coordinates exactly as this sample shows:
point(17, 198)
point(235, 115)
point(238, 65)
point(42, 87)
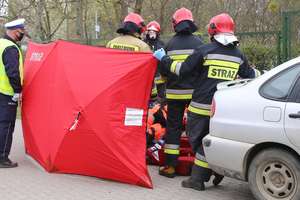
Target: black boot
point(218, 178)
point(7, 163)
point(196, 185)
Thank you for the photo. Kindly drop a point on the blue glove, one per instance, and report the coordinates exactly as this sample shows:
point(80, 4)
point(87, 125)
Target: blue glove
point(159, 54)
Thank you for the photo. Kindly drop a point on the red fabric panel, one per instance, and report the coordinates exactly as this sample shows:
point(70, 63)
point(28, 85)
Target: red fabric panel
point(95, 87)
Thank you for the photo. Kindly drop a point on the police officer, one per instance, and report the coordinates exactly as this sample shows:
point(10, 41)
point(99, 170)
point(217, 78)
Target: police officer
point(130, 32)
point(11, 75)
point(215, 62)
point(152, 38)
point(179, 91)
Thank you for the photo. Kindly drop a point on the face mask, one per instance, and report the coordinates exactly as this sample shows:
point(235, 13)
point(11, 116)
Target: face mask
point(21, 36)
point(152, 35)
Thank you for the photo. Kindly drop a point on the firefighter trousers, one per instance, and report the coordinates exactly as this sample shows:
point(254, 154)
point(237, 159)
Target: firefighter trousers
point(174, 130)
point(161, 93)
point(197, 129)
point(8, 111)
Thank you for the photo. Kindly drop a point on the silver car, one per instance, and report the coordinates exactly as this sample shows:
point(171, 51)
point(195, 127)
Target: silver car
point(255, 132)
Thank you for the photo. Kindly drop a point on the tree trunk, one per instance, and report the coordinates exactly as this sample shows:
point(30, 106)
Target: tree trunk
point(162, 16)
point(138, 6)
point(79, 19)
point(39, 32)
point(124, 9)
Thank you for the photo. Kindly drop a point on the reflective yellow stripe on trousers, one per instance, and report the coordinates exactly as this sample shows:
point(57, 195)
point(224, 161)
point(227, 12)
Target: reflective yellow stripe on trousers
point(179, 94)
point(200, 161)
point(172, 149)
point(200, 109)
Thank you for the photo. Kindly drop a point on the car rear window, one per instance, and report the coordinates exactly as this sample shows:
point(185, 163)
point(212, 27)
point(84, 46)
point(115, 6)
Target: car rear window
point(278, 88)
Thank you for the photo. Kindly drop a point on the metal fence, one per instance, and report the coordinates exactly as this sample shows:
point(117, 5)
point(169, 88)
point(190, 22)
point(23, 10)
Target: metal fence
point(263, 49)
point(290, 34)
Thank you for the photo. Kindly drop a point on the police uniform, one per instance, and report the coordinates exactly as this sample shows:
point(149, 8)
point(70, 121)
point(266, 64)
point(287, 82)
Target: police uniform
point(178, 92)
point(213, 63)
point(11, 75)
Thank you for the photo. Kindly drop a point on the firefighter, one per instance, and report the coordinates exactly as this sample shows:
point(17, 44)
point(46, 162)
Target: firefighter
point(130, 39)
point(11, 75)
point(152, 38)
point(178, 91)
point(213, 63)
point(131, 29)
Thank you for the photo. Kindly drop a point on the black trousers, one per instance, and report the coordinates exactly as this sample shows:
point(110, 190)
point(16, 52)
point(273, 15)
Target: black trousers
point(197, 129)
point(8, 112)
point(161, 93)
point(174, 130)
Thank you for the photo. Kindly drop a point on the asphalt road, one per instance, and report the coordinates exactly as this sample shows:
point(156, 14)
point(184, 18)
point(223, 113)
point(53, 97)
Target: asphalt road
point(30, 182)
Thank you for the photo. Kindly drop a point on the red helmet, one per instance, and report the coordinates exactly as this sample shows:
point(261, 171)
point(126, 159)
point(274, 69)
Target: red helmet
point(153, 26)
point(182, 14)
point(136, 19)
point(221, 23)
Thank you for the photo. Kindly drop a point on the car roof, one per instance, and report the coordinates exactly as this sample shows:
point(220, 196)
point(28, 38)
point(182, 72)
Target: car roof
point(285, 65)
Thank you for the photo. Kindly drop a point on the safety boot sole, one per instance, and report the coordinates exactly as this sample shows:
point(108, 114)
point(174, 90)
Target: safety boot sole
point(168, 175)
point(189, 183)
point(218, 179)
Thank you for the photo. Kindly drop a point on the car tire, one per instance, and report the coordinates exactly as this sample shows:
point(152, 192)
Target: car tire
point(274, 174)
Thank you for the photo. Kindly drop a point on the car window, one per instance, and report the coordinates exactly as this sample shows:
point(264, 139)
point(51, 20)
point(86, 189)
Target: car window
point(278, 88)
point(297, 91)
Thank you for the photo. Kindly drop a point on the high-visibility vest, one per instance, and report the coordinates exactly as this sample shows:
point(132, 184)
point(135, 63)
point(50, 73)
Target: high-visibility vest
point(5, 86)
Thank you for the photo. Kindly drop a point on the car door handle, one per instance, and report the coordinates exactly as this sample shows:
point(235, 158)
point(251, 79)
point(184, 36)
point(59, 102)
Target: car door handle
point(294, 115)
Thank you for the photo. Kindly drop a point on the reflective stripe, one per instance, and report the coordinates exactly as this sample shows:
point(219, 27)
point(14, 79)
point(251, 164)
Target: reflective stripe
point(171, 146)
point(178, 52)
point(159, 80)
point(221, 63)
point(171, 151)
point(199, 111)
point(175, 67)
point(224, 57)
point(154, 91)
point(175, 91)
point(201, 163)
point(179, 94)
point(257, 73)
point(200, 105)
point(127, 47)
point(200, 157)
point(179, 57)
point(178, 67)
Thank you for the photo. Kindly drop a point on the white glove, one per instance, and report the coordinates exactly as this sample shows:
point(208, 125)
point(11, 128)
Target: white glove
point(17, 97)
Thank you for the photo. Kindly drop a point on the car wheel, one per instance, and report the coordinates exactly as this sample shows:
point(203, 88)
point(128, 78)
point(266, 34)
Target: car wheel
point(274, 174)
